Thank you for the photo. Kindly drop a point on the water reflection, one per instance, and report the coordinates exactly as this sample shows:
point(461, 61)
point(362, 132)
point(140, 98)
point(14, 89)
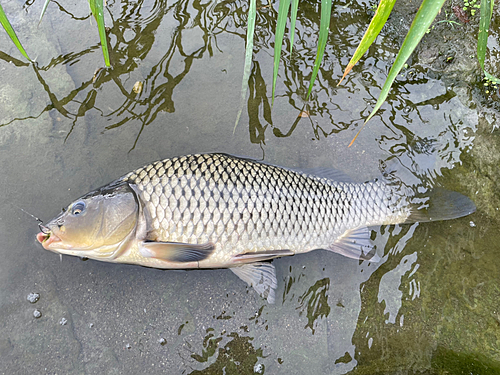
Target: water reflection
point(159, 42)
point(316, 299)
point(238, 356)
point(210, 345)
point(289, 281)
point(335, 314)
point(10, 59)
point(258, 98)
point(132, 36)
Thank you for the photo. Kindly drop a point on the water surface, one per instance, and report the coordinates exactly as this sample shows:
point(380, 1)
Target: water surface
point(66, 127)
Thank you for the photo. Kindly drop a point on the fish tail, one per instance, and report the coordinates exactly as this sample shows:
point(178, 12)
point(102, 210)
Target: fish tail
point(439, 204)
point(422, 204)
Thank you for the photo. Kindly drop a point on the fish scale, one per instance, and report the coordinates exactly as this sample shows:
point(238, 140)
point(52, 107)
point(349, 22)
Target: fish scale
point(252, 206)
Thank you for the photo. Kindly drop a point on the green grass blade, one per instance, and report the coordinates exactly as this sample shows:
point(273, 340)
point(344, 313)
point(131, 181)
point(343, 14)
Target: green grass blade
point(252, 15)
point(293, 17)
point(278, 39)
point(43, 10)
point(379, 19)
point(97, 8)
point(484, 25)
point(482, 38)
point(324, 27)
point(8, 28)
point(423, 19)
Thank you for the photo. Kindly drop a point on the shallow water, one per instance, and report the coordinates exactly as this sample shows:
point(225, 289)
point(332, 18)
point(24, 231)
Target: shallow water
point(430, 305)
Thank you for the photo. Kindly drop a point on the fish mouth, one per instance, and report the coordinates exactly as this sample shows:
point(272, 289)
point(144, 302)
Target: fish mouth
point(47, 238)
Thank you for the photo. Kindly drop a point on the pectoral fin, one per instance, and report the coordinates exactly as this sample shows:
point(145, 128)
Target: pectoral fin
point(260, 256)
point(176, 251)
point(262, 276)
point(355, 244)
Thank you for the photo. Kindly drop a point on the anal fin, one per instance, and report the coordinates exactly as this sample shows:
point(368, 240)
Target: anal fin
point(262, 276)
point(356, 244)
point(176, 251)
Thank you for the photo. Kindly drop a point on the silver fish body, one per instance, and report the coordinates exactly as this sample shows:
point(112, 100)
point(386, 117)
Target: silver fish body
point(217, 210)
point(244, 206)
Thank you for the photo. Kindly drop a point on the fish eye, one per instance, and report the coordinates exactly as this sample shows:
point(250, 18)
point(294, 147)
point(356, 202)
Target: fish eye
point(77, 208)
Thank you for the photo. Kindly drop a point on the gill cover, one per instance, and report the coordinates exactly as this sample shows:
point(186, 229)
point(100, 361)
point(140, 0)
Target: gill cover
point(100, 220)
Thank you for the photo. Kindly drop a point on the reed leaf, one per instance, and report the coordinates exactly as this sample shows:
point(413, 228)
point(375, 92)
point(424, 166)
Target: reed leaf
point(12, 34)
point(278, 39)
point(293, 18)
point(43, 10)
point(482, 38)
point(97, 8)
point(423, 19)
point(252, 15)
point(378, 21)
point(324, 27)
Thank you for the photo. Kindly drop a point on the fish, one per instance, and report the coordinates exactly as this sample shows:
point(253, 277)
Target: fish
point(222, 211)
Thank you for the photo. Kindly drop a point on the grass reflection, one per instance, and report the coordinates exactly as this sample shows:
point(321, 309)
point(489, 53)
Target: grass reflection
point(154, 41)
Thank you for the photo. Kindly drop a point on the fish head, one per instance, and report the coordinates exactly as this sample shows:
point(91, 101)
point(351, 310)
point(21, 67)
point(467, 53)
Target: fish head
point(94, 225)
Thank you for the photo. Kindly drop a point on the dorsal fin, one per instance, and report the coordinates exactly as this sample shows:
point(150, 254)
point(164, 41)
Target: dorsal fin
point(322, 172)
point(328, 173)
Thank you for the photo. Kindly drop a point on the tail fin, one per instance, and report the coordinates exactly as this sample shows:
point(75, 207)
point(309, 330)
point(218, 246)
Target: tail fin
point(440, 204)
